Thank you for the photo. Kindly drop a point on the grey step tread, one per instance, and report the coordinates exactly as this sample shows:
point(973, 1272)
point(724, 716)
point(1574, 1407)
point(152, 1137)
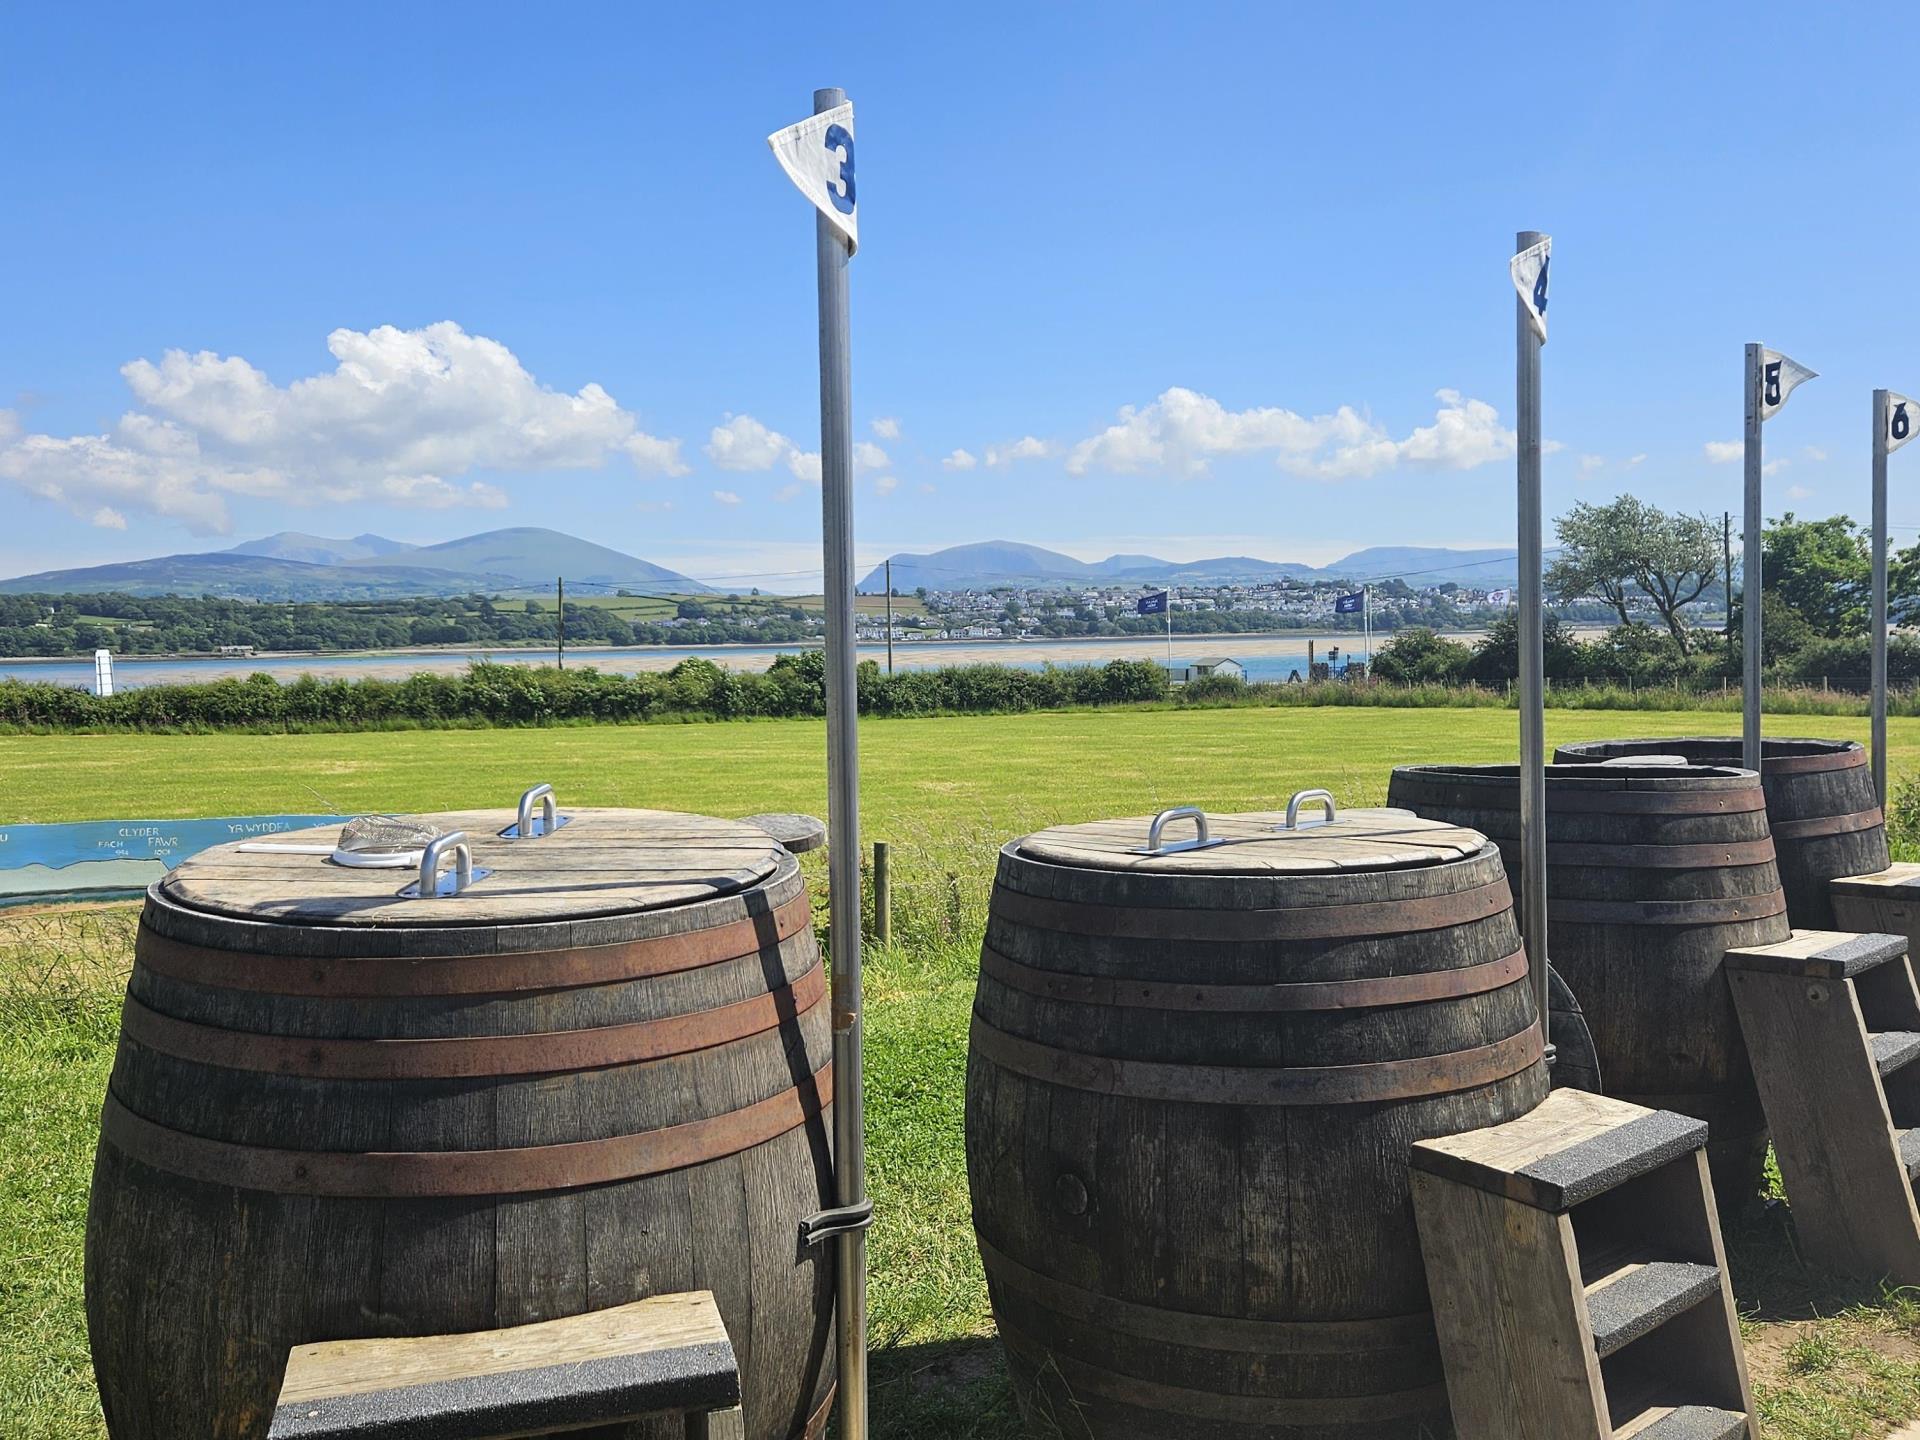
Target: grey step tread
point(1641, 1295)
point(1820, 955)
point(1687, 1422)
point(1909, 1145)
point(1894, 1049)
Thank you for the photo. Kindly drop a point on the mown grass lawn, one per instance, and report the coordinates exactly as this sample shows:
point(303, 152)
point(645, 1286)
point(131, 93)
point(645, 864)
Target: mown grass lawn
point(1831, 1362)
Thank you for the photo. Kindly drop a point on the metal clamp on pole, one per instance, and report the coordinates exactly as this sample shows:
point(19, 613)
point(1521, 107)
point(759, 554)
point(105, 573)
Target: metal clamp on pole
point(1310, 797)
point(550, 819)
point(843, 1220)
point(1200, 841)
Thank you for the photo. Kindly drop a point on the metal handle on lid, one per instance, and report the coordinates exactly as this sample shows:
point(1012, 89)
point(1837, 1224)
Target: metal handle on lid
point(1179, 812)
point(430, 859)
point(1304, 797)
point(549, 813)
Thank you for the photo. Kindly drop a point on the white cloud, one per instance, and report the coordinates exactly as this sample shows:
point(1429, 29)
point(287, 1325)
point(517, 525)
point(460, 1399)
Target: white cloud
point(108, 518)
point(1799, 492)
point(652, 507)
point(868, 456)
point(743, 443)
point(1813, 452)
point(788, 492)
point(1590, 463)
point(1551, 447)
point(886, 484)
point(726, 497)
point(9, 425)
point(1183, 431)
point(887, 428)
point(1027, 447)
point(1636, 460)
point(402, 419)
point(1774, 467)
point(959, 460)
point(1720, 452)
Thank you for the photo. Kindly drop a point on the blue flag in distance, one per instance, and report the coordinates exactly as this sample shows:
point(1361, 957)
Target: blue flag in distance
point(1350, 604)
point(1152, 604)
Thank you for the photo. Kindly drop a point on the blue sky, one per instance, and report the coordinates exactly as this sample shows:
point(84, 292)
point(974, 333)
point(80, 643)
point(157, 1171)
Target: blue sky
point(1195, 279)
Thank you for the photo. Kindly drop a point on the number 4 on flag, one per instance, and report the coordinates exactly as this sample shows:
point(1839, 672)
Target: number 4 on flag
point(1529, 269)
point(817, 155)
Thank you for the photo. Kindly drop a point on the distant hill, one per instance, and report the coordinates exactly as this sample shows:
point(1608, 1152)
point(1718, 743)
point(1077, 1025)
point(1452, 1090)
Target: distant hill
point(1006, 562)
point(319, 550)
point(368, 567)
point(1426, 565)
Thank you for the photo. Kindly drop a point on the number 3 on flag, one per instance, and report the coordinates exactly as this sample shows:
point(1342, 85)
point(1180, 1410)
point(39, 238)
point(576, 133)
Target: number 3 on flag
point(817, 155)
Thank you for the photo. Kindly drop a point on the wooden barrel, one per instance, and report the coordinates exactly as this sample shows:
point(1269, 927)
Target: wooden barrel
point(1192, 1083)
point(1821, 807)
point(1653, 873)
point(596, 1075)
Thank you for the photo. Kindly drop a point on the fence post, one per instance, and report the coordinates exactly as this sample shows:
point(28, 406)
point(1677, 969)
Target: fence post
point(882, 895)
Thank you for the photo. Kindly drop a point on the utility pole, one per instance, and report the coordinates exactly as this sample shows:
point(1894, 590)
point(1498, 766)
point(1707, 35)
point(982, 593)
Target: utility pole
point(889, 615)
point(560, 622)
point(1726, 571)
point(1752, 582)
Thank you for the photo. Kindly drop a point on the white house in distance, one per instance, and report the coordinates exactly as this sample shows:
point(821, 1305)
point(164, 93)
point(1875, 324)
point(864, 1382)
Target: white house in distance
point(1206, 665)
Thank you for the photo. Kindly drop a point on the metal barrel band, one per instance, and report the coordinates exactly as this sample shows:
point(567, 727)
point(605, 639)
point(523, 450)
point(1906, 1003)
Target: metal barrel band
point(1845, 759)
point(1255, 999)
point(1414, 1078)
point(436, 1173)
point(1238, 1334)
point(1726, 910)
point(1732, 800)
point(1595, 854)
point(374, 977)
point(1379, 917)
point(1828, 825)
point(472, 1056)
point(1085, 1380)
point(816, 1423)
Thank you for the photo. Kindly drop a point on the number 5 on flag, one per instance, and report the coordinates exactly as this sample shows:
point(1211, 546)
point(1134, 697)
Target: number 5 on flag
point(817, 155)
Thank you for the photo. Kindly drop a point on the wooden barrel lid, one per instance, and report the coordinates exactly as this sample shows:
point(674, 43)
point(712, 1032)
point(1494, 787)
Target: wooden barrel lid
point(601, 862)
point(1258, 843)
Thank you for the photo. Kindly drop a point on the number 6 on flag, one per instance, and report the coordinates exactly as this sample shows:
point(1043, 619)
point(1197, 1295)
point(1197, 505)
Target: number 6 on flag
point(1900, 418)
point(817, 155)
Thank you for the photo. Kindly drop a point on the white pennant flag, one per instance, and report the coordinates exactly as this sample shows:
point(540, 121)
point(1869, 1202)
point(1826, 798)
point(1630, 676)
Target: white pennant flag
point(817, 155)
point(1779, 378)
point(1529, 270)
point(1903, 418)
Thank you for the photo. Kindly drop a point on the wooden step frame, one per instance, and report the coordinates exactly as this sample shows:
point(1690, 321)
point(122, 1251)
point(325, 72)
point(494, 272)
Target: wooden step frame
point(1523, 1224)
point(1814, 1010)
point(1886, 902)
point(668, 1356)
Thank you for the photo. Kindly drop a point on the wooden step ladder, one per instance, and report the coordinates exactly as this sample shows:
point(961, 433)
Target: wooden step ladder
point(1579, 1282)
point(1832, 1023)
point(1887, 902)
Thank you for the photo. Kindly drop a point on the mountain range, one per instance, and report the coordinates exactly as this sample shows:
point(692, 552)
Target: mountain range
point(293, 566)
point(1007, 562)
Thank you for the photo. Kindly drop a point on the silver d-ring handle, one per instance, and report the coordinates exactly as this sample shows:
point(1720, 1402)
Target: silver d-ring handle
point(1307, 797)
point(549, 812)
point(1179, 812)
point(431, 857)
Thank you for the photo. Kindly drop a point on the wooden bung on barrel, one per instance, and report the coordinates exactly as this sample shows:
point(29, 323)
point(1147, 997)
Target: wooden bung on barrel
point(1821, 807)
point(1654, 873)
point(595, 1075)
point(1194, 1075)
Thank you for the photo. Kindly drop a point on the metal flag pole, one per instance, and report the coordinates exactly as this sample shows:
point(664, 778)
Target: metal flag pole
point(1168, 610)
point(1878, 627)
point(843, 801)
point(1751, 583)
point(817, 155)
point(889, 615)
point(1533, 747)
point(1366, 605)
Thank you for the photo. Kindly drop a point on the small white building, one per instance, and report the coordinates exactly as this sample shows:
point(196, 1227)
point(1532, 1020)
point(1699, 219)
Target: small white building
point(1219, 665)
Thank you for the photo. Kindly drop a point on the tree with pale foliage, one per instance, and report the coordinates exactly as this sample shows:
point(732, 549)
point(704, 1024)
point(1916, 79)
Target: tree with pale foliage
point(1629, 546)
